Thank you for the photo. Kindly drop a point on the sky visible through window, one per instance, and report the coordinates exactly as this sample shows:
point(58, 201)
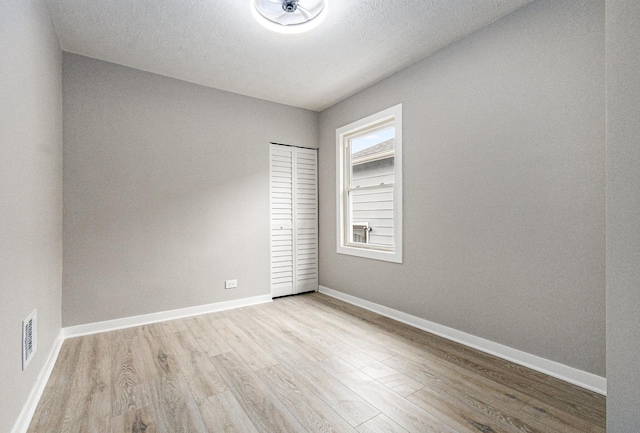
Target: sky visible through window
point(371, 140)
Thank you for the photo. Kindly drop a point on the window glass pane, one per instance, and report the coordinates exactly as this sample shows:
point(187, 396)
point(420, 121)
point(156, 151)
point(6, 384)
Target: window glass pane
point(372, 158)
point(371, 216)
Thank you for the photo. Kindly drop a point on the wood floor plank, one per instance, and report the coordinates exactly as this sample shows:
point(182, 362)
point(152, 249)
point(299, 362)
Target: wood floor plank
point(201, 376)
point(255, 326)
point(155, 357)
point(354, 409)
point(177, 325)
point(208, 338)
point(561, 398)
point(285, 330)
point(176, 410)
point(310, 410)
point(527, 386)
point(547, 417)
point(431, 373)
point(266, 412)
point(466, 399)
point(311, 377)
point(388, 376)
point(392, 378)
point(50, 412)
point(380, 424)
point(129, 389)
point(243, 345)
point(351, 338)
point(89, 406)
point(344, 314)
point(307, 325)
point(138, 421)
point(559, 388)
point(414, 362)
point(335, 340)
point(466, 414)
point(400, 383)
point(356, 317)
point(223, 413)
point(402, 411)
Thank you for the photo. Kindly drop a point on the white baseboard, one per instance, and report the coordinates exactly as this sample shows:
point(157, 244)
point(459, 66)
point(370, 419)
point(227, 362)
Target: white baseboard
point(29, 408)
point(572, 375)
point(128, 322)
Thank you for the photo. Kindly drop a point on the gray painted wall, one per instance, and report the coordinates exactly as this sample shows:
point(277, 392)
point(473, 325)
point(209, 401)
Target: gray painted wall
point(504, 186)
point(30, 194)
point(166, 190)
point(623, 216)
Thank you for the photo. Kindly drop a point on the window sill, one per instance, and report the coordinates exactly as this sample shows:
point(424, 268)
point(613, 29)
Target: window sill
point(370, 253)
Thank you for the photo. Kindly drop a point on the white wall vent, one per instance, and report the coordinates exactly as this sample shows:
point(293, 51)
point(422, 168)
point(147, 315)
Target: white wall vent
point(29, 338)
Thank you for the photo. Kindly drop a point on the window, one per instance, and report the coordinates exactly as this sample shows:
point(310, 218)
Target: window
point(369, 186)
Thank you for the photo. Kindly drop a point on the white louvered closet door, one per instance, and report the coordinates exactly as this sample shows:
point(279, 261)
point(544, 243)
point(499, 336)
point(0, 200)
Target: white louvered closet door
point(294, 220)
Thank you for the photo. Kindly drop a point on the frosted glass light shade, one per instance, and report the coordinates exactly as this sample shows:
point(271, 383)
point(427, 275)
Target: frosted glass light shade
point(289, 16)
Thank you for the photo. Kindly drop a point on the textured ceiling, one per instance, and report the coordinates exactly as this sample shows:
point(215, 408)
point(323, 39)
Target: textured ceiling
point(218, 43)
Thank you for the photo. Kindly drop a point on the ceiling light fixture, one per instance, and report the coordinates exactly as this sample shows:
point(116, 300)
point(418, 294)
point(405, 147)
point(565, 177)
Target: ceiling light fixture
point(289, 16)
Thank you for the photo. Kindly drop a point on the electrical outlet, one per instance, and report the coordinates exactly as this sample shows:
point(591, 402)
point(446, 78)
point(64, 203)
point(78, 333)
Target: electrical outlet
point(231, 284)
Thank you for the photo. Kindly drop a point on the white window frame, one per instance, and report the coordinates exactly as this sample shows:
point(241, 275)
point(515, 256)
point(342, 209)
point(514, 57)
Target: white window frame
point(343, 135)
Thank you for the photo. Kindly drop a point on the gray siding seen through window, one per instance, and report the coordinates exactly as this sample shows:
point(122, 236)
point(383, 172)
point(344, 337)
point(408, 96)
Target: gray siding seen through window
point(374, 207)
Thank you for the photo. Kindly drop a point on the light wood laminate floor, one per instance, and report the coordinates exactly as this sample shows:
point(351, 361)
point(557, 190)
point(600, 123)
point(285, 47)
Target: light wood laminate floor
point(303, 363)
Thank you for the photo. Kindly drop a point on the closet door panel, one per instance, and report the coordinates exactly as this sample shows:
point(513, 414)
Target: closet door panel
point(306, 220)
point(282, 235)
